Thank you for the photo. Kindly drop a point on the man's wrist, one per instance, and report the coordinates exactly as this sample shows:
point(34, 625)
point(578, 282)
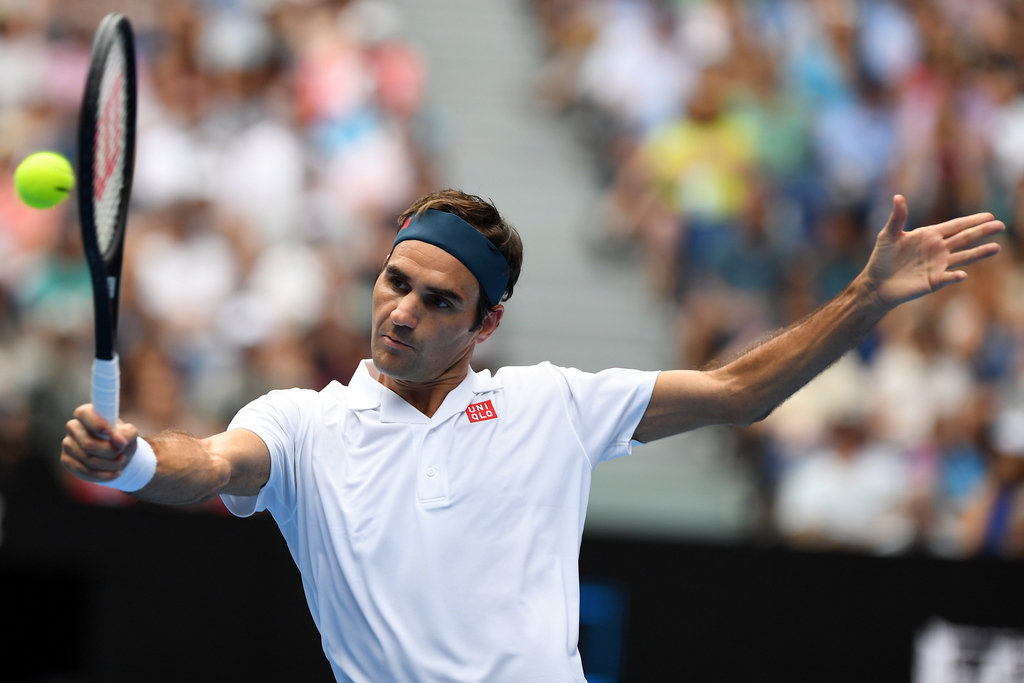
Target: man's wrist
point(867, 291)
point(138, 472)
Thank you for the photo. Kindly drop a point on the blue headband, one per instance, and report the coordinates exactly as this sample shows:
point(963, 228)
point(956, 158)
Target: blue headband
point(460, 239)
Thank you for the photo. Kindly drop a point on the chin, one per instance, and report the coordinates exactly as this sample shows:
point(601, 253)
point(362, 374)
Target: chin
point(388, 364)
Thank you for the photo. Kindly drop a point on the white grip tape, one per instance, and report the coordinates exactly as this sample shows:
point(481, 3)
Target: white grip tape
point(106, 388)
point(138, 472)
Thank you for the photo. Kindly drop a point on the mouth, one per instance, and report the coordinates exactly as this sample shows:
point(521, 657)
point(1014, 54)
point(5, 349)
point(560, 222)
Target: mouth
point(393, 342)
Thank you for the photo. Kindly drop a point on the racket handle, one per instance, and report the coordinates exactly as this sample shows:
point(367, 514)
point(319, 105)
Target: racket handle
point(106, 388)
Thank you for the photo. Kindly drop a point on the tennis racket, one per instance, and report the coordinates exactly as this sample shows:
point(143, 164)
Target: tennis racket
point(106, 162)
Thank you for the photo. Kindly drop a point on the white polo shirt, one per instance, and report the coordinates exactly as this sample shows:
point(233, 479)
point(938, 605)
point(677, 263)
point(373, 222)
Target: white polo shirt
point(443, 548)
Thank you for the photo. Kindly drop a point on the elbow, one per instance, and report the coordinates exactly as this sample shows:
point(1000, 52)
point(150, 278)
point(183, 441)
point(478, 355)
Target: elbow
point(197, 499)
point(743, 420)
point(753, 417)
point(741, 410)
point(748, 404)
point(747, 413)
point(220, 479)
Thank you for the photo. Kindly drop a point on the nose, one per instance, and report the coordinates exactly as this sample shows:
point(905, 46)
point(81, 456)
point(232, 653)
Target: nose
point(406, 313)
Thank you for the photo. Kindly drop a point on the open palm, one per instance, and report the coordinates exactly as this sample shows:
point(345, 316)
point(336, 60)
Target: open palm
point(908, 265)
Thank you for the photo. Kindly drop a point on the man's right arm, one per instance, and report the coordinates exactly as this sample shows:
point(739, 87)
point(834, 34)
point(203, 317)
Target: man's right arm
point(188, 470)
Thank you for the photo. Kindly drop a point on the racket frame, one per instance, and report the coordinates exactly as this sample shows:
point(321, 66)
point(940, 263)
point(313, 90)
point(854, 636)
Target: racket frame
point(105, 268)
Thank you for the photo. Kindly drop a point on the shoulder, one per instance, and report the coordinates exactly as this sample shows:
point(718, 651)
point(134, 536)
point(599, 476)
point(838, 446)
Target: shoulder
point(296, 403)
point(334, 391)
point(520, 372)
point(572, 380)
point(532, 376)
point(297, 396)
point(549, 369)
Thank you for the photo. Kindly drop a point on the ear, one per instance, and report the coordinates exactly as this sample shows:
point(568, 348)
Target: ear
point(490, 323)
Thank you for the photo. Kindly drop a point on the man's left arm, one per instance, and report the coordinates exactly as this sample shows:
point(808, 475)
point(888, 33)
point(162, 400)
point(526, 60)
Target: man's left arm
point(903, 266)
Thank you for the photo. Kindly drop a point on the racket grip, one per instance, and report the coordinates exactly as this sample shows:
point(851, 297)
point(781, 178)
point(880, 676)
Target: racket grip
point(106, 388)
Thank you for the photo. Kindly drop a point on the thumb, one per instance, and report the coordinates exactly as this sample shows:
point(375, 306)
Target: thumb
point(898, 217)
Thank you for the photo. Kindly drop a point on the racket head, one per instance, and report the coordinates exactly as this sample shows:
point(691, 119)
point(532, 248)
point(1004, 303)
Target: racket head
point(106, 164)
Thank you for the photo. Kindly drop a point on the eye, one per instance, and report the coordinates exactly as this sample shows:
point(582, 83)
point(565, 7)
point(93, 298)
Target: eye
point(398, 283)
point(438, 302)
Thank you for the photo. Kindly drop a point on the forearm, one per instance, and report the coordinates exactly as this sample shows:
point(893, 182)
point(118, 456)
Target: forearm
point(187, 470)
point(748, 388)
point(765, 376)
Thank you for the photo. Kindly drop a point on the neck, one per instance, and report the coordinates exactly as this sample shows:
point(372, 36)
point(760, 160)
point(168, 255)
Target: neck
point(425, 397)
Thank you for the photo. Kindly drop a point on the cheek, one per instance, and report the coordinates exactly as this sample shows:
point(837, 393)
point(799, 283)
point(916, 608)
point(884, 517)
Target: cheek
point(458, 339)
point(380, 304)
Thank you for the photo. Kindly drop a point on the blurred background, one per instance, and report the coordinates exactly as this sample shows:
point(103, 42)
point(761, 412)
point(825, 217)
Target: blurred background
point(688, 176)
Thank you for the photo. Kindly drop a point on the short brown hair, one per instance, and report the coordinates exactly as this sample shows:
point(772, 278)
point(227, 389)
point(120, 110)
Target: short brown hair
point(484, 216)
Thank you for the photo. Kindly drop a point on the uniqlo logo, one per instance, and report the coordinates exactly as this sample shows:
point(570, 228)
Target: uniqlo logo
point(478, 412)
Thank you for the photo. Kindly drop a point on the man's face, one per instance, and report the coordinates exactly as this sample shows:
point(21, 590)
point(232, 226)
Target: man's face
point(424, 306)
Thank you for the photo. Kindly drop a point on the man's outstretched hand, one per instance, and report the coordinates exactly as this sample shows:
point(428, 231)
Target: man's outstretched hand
point(908, 265)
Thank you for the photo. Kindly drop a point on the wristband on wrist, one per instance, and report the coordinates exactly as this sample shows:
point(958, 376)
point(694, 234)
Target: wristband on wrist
point(139, 472)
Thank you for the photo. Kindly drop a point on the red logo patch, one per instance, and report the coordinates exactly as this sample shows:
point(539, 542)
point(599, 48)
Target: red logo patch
point(478, 412)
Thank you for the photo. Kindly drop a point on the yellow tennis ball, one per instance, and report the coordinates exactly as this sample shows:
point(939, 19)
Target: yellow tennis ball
point(44, 179)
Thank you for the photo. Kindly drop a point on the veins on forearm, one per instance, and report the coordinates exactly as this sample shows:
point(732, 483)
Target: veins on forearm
point(186, 473)
point(778, 365)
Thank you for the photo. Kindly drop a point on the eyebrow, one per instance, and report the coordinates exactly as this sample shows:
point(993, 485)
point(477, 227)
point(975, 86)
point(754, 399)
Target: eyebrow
point(442, 292)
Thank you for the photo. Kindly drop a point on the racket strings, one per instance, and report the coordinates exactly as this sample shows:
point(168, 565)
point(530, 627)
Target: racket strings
point(109, 152)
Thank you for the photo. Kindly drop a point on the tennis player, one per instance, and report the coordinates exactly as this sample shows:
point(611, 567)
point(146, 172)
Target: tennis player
point(436, 513)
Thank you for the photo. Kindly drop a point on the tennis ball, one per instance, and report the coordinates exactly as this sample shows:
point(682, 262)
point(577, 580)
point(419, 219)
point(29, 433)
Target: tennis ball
point(44, 179)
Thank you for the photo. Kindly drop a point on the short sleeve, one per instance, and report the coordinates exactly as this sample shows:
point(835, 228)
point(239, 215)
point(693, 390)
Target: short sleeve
point(277, 419)
point(606, 408)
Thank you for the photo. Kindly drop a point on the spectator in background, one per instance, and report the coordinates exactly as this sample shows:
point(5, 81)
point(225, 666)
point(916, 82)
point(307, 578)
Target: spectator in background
point(738, 298)
point(636, 67)
point(848, 495)
point(993, 522)
point(780, 130)
point(698, 170)
point(958, 467)
point(853, 139)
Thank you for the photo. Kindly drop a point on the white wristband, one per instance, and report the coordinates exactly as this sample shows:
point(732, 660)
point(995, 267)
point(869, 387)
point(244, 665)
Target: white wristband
point(139, 472)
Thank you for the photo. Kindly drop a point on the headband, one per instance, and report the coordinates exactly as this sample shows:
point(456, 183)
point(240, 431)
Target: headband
point(460, 239)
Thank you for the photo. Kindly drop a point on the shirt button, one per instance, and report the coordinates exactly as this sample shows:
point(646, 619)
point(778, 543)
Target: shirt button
point(431, 472)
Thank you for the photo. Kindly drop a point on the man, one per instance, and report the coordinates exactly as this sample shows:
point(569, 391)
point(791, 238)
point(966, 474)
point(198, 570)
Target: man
point(436, 513)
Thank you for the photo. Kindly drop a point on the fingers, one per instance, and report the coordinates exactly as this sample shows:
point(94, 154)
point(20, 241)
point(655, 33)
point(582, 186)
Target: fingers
point(969, 234)
point(951, 277)
point(88, 460)
point(93, 421)
point(965, 257)
point(91, 443)
point(120, 436)
point(898, 217)
point(91, 450)
point(88, 467)
point(959, 244)
point(959, 225)
point(962, 256)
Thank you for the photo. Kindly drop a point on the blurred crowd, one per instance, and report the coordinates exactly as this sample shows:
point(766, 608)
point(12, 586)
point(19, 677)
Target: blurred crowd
point(748, 152)
point(277, 142)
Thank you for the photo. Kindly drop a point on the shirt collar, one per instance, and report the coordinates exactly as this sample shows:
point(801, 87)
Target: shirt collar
point(367, 393)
